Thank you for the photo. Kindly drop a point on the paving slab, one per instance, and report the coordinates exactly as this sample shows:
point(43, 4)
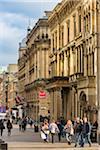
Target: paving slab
point(47, 146)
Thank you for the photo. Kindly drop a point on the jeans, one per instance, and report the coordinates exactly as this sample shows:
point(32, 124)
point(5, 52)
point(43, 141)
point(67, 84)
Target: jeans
point(86, 137)
point(77, 138)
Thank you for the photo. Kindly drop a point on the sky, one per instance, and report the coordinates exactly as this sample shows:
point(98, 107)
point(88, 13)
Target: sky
point(15, 16)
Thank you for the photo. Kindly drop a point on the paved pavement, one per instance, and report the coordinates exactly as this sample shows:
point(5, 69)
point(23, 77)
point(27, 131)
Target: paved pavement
point(29, 140)
point(48, 146)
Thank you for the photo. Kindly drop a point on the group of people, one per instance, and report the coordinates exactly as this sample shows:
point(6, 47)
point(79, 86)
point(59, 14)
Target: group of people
point(23, 123)
point(77, 131)
point(8, 126)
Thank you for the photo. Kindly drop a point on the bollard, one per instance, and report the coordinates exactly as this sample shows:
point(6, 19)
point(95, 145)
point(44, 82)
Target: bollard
point(3, 146)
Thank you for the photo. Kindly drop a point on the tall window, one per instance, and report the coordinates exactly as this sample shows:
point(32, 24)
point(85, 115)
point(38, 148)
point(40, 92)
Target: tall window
point(53, 42)
point(83, 62)
point(74, 19)
point(79, 22)
point(68, 30)
point(68, 62)
point(74, 57)
point(84, 24)
point(89, 22)
point(56, 40)
point(80, 59)
point(87, 65)
point(93, 61)
point(62, 36)
point(62, 57)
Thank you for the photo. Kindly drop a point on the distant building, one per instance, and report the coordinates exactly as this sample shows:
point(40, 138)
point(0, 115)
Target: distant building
point(9, 87)
point(12, 68)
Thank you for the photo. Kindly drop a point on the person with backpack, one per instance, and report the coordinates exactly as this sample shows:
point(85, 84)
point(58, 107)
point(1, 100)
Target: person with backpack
point(9, 127)
point(78, 131)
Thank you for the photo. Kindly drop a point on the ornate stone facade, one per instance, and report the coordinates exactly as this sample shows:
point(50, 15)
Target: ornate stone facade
point(33, 70)
point(73, 65)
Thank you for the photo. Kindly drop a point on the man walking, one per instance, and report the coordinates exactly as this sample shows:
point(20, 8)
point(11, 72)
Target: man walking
point(86, 132)
point(2, 127)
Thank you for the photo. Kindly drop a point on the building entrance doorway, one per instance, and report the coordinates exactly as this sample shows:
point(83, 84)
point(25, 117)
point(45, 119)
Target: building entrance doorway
point(83, 105)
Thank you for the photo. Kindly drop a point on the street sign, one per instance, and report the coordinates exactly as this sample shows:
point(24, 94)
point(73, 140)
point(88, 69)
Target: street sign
point(42, 94)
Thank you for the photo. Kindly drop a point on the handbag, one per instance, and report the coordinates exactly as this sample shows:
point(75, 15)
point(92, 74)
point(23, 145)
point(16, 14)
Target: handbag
point(43, 136)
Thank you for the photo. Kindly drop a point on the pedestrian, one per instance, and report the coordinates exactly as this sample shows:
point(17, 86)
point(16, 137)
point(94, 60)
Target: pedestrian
point(53, 129)
point(69, 131)
point(24, 124)
point(2, 127)
point(20, 124)
point(30, 121)
point(86, 132)
point(77, 131)
point(45, 131)
point(9, 127)
point(60, 127)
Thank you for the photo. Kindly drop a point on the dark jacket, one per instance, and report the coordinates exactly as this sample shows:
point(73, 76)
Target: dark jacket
point(86, 128)
point(78, 128)
point(9, 125)
point(2, 125)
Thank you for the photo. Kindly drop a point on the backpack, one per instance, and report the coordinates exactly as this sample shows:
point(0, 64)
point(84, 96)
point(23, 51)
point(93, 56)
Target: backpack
point(9, 126)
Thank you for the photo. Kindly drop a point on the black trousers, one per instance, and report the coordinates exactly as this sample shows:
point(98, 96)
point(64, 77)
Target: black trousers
point(52, 137)
point(1, 131)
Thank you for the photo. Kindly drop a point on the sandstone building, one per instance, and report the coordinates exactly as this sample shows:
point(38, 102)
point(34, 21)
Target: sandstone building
point(33, 70)
point(73, 59)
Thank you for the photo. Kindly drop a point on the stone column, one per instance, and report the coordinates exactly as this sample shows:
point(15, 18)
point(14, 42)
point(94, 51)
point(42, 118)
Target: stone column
point(72, 101)
point(76, 113)
point(51, 103)
point(55, 104)
point(47, 63)
point(42, 61)
point(67, 64)
point(35, 66)
point(38, 67)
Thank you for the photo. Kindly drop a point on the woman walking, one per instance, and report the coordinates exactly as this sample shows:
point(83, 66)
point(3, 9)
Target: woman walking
point(53, 129)
point(45, 131)
point(2, 127)
point(69, 131)
point(9, 127)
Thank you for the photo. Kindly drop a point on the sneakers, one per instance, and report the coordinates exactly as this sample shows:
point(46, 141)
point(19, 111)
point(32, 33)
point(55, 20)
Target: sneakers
point(75, 145)
point(89, 145)
point(69, 143)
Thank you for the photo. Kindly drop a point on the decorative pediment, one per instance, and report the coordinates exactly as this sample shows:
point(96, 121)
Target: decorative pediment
point(62, 13)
